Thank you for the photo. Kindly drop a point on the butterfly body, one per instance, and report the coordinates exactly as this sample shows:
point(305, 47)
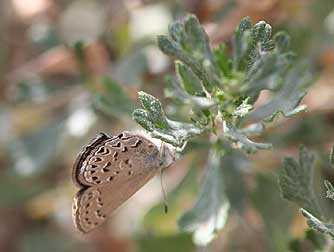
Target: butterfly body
point(109, 170)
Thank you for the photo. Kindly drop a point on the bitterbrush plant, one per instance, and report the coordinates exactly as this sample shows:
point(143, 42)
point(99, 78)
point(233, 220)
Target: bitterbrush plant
point(219, 89)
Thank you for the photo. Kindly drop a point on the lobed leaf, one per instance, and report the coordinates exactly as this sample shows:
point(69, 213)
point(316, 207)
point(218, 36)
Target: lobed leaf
point(318, 225)
point(190, 83)
point(240, 139)
point(210, 212)
point(177, 92)
point(330, 189)
point(287, 100)
point(241, 42)
point(154, 109)
point(153, 119)
point(296, 181)
point(189, 43)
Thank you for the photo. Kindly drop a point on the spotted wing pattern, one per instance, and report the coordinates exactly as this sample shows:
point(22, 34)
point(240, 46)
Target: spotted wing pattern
point(109, 171)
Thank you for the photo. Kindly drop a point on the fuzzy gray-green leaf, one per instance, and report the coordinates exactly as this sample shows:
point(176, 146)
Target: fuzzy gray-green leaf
point(241, 140)
point(210, 212)
point(296, 181)
point(178, 133)
point(153, 119)
point(142, 117)
point(223, 61)
point(282, 40)
point(189, 43)
point(331, 157)
point(191, 84)
point(266, 72)
point(177, 92)
point(243, 109)
point(241, 42)
point(167, 46)
point(330, 189)
point(154, 109)
point(287, 100)
point(316, 224)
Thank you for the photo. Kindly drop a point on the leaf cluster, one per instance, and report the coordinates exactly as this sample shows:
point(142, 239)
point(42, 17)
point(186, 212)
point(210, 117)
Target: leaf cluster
point(219, 89)
point(297, 185)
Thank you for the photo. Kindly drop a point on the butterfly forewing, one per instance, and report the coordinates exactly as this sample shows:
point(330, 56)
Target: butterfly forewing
point(112, 169)
point(82, 157)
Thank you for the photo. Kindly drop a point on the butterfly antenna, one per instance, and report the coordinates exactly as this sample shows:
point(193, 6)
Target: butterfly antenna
point(163, 191)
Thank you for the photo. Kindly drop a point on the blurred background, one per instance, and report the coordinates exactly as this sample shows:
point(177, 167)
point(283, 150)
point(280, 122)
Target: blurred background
point(56, 94)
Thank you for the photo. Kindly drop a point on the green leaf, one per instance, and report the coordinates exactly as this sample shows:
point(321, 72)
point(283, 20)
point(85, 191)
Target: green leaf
point(315, 223)
point(142, 117)
point(223, 61)
point(254, 129)
point(210, 212)
point(331, 157)
point(113, 100)
point(267, 71)
point(190, 83)
point(241, 42)
point(282, 41)
point(241, 140)
point(178, 134)
point(234, 165)
point(287, 100)
point(329, 186)
point(330, 189)
point(263, 61)
point(296, 181)
point(154, 109)
point(154, 120)
point(243, 109)
point(177, 92)
point(189, 43)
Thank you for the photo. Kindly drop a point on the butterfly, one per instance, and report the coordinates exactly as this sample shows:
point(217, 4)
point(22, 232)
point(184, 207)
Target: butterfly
point(109, 170)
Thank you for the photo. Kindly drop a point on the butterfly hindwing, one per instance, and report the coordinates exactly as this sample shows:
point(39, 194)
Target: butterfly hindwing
point(93, 205)
point(109, 171)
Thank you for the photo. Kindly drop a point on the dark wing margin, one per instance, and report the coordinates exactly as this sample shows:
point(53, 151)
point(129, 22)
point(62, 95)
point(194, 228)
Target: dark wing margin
point(83, 154)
